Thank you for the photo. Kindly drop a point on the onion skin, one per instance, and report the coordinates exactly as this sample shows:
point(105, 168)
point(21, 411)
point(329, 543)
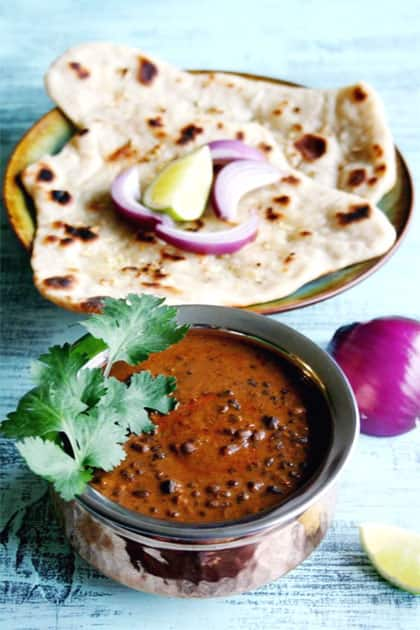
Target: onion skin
point(224, 151)
point(381, 359)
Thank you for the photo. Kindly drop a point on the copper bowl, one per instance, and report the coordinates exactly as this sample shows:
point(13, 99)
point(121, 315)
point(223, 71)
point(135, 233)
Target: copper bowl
point(223, 558)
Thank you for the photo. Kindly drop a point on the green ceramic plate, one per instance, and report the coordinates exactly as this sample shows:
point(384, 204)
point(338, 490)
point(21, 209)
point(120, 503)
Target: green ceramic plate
point(52, 131)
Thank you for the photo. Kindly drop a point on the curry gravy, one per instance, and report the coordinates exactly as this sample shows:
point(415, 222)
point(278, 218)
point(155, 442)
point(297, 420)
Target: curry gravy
point(249, 430)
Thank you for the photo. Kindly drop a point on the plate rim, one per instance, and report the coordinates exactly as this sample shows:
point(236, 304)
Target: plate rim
point(11, 181)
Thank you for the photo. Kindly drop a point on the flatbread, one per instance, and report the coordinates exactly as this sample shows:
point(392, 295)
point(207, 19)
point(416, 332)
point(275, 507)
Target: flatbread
point(338, 137)
point(84, 251)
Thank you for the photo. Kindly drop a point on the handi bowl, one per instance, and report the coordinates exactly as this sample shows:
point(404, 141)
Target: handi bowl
point(51, 132)
point(219, 559)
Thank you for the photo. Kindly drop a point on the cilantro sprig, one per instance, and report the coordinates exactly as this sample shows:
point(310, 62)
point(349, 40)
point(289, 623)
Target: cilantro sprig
point(77, 418)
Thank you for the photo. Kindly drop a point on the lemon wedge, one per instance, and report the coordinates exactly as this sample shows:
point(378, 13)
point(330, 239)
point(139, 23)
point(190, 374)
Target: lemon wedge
point(395, 554)
point(182, 188)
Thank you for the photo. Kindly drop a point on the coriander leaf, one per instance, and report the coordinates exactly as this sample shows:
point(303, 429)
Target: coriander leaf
point(69, 386)
point(58, 365)
point(135, 327)
point(88, 346)
point(51, 407)
point(35, 415)
point(48, 460)
point(99, 439)
point(151, 393)
point(126, 407)
point(128, 404)
point(92, 385)
point(85, 410)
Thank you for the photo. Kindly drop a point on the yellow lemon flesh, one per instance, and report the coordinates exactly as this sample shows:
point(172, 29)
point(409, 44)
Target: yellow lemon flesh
point(182, 188)
point(395, 554)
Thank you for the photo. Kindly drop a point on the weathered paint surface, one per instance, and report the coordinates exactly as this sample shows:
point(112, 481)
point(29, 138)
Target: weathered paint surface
point(42, 584)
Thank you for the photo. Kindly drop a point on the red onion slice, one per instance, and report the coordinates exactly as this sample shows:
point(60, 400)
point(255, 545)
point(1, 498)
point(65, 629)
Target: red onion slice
point(125, 193)
point(224, 151)
point(216, 243)
point(236, 180)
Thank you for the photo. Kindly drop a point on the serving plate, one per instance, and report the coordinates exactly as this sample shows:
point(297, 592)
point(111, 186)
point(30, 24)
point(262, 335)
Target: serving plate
point(52, 131)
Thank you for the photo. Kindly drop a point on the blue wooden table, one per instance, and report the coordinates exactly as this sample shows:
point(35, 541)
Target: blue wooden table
point(325, 44)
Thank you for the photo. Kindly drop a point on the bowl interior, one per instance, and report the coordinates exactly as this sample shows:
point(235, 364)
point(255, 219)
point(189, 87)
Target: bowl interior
point(53, 130)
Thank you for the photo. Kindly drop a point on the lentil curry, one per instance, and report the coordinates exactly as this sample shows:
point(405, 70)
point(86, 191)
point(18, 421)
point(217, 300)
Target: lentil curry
point(249, 430)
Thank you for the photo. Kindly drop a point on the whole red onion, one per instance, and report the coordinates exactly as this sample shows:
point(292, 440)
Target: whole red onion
point(381, 359)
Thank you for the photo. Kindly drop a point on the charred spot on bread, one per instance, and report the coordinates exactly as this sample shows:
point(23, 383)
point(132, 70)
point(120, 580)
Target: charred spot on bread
point(305, 233)
point(311, 147)
point(291, 179)
point(359, 94)
point(357, 212)
point(284, 200)
point(61, 196)
point(60, 282)
point(240, 135)
point(272, 215)
point(171, 256)
point(377, 150)
point(124, 152)
point(297, 127)
point(296, 110)
point(155, 122)
point(81, 72)
point(122, 71)
point(154, 285)
point(45, 175)
point(266, 148)
point(83, 232)
point(65, 242)
point(289, 258)
point(93, 304)
point(189, 133)
point(356, 177)
point(50, 238)
point(147, 71)
point(372, 181)
point(380, 169)
point(277, 112)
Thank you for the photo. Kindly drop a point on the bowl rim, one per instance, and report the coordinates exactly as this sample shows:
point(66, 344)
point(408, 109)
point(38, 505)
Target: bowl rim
point(345, 419)
point(12, 171)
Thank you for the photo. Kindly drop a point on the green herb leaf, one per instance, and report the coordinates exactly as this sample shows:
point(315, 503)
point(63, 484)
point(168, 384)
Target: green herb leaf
point(48, 460)
point(70, 388)
point(151, 393)
point(52, 406)
point(83, 415)
point(129, 404)
point(34, 416)
point(99, 439)
point(135, 327)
